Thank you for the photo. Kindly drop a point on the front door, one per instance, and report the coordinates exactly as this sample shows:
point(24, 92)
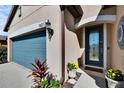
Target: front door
point(94, 46)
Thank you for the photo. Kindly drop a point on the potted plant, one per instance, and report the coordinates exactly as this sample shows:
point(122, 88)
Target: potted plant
point(71, 68)
point(114, 77)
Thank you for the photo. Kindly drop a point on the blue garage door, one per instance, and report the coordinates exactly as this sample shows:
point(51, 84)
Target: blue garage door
point(28, 47)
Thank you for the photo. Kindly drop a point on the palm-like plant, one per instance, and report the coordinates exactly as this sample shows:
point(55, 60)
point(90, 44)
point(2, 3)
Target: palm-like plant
point(39, 69)
point(42, 78)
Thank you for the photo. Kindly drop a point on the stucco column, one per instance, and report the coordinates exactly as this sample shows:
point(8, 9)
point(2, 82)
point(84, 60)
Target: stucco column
point(9, 50)
point(105, 45)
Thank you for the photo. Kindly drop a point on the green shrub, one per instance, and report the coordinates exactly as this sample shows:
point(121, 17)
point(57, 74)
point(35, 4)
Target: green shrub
point(50, 84)
point(72, 65)
point(115, 74)
point(3, 55)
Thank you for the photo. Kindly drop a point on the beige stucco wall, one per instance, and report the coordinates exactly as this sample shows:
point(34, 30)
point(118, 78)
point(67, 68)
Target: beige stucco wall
point(34, 14)
point(87, 10)
point(117, 54)
point(73, 48)
point(108, 11)
point(90, 13)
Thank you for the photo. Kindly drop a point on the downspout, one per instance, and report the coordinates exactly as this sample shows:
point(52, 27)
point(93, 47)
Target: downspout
point(63, 46)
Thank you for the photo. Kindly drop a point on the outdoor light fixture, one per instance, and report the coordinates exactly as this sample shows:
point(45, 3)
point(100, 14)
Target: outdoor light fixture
point(50, 31)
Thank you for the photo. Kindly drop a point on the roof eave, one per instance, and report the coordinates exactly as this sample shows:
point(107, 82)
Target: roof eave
point(10, 17)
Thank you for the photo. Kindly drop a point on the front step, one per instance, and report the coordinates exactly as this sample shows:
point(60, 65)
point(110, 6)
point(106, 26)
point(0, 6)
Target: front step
point(70, 83)
point(99, 77)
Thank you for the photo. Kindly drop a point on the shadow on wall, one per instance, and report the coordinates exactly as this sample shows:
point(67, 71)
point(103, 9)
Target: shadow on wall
point(72, 47)
point(73, 39)
point(73, 15)
point(79, 35)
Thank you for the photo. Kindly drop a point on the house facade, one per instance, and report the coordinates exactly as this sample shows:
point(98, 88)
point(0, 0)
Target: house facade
point(92, 36)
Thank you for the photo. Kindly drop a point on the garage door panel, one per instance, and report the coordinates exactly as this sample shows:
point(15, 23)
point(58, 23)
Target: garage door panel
point(36, 44)
point(28, 47)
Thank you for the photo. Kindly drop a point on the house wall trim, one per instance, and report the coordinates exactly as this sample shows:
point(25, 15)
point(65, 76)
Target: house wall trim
point(28, 28)
point(106, 18)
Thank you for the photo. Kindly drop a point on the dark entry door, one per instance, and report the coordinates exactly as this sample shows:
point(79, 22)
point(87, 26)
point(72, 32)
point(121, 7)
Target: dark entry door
point(94, 46)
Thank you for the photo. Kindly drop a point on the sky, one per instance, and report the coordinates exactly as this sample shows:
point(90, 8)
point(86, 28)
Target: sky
point(4, 12)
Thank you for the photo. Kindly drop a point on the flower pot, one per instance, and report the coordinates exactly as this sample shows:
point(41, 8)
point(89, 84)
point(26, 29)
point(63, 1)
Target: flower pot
point(113, 83)
point(72, 73)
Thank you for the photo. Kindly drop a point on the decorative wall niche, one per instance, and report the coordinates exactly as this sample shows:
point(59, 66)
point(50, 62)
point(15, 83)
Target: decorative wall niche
point(120, 33)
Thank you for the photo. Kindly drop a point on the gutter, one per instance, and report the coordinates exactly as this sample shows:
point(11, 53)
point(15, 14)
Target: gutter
point(10, 18)
point(63, 44)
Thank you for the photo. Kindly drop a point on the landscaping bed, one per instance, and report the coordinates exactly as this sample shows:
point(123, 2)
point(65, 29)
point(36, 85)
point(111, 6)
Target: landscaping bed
point(3, 55)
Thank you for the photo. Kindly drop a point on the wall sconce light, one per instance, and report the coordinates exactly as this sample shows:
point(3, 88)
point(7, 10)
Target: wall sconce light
point(50, 31)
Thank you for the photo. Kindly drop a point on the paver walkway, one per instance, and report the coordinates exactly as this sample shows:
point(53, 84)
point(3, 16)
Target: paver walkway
point(13, 75)
point(87, 79)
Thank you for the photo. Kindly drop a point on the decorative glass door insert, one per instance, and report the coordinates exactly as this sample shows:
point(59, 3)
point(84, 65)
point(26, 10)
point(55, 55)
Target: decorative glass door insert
point(94, 46)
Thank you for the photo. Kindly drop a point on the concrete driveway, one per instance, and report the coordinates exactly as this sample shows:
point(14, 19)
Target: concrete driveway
point(13, 75)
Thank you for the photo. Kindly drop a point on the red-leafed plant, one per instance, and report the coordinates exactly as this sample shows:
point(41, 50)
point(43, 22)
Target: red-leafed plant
point(41, 77)
point(39, 69)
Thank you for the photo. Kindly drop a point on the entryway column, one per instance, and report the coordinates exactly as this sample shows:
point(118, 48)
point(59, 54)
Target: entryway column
point(105, 45)
point(84, 47)
point(9, 50)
